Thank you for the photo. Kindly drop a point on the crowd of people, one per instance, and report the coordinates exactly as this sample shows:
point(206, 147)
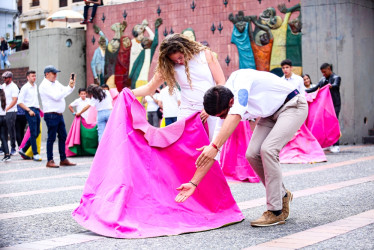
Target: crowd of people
point(195, 83)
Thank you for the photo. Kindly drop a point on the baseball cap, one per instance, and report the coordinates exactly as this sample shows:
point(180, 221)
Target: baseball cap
point(51, 68)
point(7, 74)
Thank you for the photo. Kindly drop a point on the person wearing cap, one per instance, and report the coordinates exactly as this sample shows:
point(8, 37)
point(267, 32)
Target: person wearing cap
point(53, 93)
point(28, 100)
point(282, 110)
point(11, 94)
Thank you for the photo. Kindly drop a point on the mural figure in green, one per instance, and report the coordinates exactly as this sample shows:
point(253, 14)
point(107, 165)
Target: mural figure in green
point(293, 39)
point(140, 68)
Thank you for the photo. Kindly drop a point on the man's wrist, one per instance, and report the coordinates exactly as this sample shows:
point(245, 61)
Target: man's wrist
point(215, 146)
point(193, 183)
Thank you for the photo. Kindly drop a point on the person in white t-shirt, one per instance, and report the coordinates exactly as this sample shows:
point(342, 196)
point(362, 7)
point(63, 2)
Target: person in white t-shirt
point(11, 93)
point(282, 110)
point(296, 80)
point(80, 103)
point(169, 104)
point(152, 108)
point(102, 101)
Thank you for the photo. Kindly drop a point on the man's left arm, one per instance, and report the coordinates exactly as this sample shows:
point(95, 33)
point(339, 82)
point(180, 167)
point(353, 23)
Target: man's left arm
point(336, 83)
point(11, 105)
point(206, 158)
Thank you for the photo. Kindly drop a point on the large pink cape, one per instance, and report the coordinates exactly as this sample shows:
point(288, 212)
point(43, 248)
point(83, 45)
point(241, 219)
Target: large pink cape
point(132, 185)
point(322, 120)
point(303, 148)
point(234, 164)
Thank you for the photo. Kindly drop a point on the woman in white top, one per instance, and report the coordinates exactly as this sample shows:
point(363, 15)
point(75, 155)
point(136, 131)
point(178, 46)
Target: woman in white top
point(102, 101)
point(194, 67)
point(3, 126)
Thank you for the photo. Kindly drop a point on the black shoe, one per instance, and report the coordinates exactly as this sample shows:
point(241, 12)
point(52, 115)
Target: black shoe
point(23, 155)
point(6, 158)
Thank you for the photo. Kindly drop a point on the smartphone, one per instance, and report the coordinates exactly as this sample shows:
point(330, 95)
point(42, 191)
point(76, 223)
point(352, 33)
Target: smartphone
point(72, 76)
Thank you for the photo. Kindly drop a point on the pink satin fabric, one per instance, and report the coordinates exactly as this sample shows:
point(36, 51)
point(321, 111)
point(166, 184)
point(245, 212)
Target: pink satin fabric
point(132, 185)
point(233, 162)
point(74, 136)
point(303, 148)
point(322, 120)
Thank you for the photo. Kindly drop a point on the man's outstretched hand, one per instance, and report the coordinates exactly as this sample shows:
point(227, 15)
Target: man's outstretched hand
point(185, 191)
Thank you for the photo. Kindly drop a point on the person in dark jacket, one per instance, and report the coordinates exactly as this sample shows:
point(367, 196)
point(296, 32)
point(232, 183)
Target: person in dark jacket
point(329, 77)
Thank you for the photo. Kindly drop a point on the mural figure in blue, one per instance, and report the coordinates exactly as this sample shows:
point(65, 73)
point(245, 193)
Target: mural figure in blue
point(240, 37)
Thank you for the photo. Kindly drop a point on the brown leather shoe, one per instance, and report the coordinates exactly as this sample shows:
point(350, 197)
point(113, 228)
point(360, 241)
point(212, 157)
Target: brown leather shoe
point(66, 162)
point(268, 219)
point(51, 164)
point(286, 204)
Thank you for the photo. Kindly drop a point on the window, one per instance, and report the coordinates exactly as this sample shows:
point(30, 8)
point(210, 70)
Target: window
point(63, 3)
point(34, 3)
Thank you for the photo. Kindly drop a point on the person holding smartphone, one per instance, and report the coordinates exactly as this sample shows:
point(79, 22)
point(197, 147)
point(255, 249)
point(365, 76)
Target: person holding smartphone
point(53, 93)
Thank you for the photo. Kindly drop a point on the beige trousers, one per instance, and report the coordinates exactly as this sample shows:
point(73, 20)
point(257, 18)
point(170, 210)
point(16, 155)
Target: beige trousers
point(269, 137)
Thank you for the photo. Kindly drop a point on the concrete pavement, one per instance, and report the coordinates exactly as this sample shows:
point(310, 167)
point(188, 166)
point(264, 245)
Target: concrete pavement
point(333, 208)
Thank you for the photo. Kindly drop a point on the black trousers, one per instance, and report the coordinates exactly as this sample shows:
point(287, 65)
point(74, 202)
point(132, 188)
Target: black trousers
point(21, 122)
point(4, 135)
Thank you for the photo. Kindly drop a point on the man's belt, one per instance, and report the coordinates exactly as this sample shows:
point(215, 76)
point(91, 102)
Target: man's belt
point(291, 95)
point(55, 113)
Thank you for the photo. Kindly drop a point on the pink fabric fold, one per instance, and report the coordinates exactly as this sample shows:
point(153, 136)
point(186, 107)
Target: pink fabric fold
point(322, 120)
point(234, 164)
point(303, 148)
point(74, 136)
point(92, 115)
point(132, 184)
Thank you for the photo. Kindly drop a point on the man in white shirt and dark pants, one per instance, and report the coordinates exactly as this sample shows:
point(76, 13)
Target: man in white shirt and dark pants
point(169, 104)
point(296, 80)
point(53, 93)
point(28, 100)
point(250, 94)
point(11, 94)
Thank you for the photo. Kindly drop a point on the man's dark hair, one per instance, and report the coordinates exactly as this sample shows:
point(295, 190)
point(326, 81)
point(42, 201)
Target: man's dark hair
point(81, 89)
point(30, 72)
point(325, 66)
point(286, 62)
point(217, 99)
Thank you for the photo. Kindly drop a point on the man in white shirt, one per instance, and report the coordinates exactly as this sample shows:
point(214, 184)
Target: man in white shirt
point(80, 103)
point(152, 108)
point(169, 104)
point(28, 100)
point(296, 80)
point(249, 94)
point(11, 94)
point(53, 93)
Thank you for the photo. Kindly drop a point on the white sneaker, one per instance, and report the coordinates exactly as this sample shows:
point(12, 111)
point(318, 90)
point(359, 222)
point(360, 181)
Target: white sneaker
point(334, 149)
point(37, 157)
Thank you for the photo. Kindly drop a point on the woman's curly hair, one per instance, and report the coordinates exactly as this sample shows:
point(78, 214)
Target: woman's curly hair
point(172, 44)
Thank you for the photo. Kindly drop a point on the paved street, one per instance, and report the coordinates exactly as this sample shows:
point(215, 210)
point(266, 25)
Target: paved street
point(333, 208)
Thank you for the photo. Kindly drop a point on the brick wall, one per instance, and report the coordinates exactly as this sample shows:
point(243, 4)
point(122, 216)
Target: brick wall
point(178, 15)
point(19, 75)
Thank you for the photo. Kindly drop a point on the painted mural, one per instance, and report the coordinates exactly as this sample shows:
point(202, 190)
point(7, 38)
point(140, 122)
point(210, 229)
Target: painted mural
point(272, 40)
point(122, 56)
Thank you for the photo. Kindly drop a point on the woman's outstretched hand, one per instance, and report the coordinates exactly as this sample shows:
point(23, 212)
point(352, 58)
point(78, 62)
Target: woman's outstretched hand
point(185, 191)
